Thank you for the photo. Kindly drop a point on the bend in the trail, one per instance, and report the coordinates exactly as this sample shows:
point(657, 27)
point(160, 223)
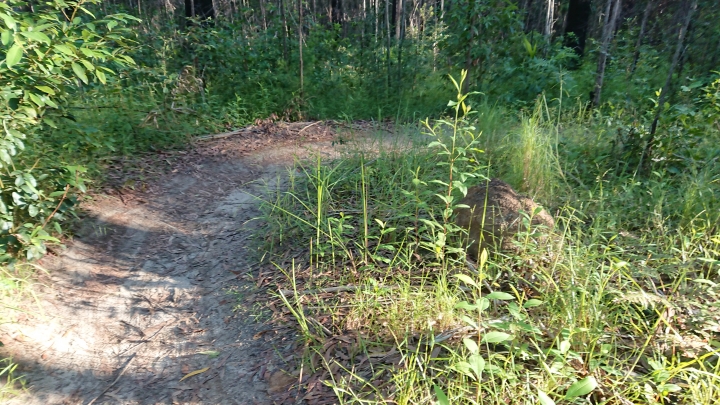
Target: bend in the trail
point(147, 293)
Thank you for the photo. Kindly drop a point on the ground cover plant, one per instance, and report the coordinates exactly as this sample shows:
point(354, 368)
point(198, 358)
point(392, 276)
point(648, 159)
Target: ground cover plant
point(606, 112)
point(620, 308)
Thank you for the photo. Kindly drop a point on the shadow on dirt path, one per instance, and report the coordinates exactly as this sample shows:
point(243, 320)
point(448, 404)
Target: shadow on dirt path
point(149, 293)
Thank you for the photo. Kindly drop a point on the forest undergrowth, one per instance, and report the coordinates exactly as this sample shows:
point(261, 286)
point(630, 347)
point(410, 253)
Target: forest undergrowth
point(620, 307)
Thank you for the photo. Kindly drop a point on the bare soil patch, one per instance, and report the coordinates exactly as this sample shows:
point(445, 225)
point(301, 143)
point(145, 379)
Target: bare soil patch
point(160, 298)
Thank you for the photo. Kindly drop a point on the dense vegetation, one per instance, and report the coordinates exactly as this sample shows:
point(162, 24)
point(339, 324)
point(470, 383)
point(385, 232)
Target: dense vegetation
point(607, 111)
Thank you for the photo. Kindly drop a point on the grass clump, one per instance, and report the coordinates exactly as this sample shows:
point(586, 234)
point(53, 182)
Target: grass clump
point(624, 310)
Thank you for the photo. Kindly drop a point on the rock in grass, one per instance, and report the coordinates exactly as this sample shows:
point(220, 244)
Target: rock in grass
point(495, 217)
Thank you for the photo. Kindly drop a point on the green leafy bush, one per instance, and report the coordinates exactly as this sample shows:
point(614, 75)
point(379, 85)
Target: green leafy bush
point(51, 49)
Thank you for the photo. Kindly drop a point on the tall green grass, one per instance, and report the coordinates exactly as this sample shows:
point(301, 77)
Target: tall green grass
point(621, 308)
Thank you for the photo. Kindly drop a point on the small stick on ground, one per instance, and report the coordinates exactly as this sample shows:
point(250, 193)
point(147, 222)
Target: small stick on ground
point(124, 369)
point(308, 126)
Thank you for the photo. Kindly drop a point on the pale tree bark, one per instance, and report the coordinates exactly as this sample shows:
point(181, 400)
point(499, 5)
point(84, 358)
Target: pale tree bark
point(641, 35)
point(262, 13)
point(549, 17)
point(691, 6)
point(398, 18)
point(285, 30)
point(300, 43)
point(377, 20)
point(387, 26)
point(401, 38)
point(612, 11)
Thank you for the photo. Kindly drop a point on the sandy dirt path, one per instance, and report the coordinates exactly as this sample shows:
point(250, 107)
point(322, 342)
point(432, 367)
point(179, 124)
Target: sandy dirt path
point(160, 285)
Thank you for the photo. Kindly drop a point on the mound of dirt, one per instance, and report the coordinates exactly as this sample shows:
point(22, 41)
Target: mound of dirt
point(495, 216)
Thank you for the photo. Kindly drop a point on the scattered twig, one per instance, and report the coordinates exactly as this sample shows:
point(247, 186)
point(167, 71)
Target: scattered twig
point(223, 135)
point(308, 126)
point(67, 188)
point(124, 369)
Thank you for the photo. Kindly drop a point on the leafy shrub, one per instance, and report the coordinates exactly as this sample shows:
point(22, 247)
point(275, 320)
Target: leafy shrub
point(49, 52)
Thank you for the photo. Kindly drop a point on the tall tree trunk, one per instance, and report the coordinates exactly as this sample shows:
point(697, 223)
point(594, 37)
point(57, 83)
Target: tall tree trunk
point(377, 20)
point(285, 30)
point(398, 18)
point(387, 49)
point(549, 17)
point(691, 6)
point(401, 38)
point(612, 11)
point(641, 35)
point(300, 43)
point(262, 13)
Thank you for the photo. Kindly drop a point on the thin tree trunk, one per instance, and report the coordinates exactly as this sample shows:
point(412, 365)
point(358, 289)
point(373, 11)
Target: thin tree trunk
point(262, 13)
point(285, 30)
point(549, 17)
point(641, 35)
point(612, 7)
point(387, 26)
point(364, 23)
point(692, 6)
point(398, 18)
point(401, 39)
point(377, 22)
point(300, 43)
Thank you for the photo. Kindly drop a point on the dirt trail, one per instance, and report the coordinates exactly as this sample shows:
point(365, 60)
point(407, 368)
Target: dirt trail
point(140, 297)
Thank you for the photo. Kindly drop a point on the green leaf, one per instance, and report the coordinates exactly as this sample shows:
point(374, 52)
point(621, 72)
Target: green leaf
point(36, 99)
point(89, 66)
point(581, 388)
point(466, 279)
point(101, 76)
point(64, 49)
point(80, 72)
point(442, 399)
point(469, 321)
point(477, 364)
point(532, 303)
point(3, 208)
point(5, 156)
point(13, 56)
point(30, 179)
point(111, 24)
point(33, 210)
point(499, 295)
point(46, 89)
point(466, 305)
point(36, 36)
point(544, 399)
point(464, 368)
point(496, 337)
point(471, 345)
point(6, 37)
point(9, 21)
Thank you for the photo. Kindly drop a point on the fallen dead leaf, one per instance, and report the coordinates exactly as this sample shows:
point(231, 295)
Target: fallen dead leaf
point(196, 372)
point(278, 381)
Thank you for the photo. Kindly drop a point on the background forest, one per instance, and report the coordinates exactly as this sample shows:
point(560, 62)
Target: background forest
point(89, 80)
point(607, 111)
